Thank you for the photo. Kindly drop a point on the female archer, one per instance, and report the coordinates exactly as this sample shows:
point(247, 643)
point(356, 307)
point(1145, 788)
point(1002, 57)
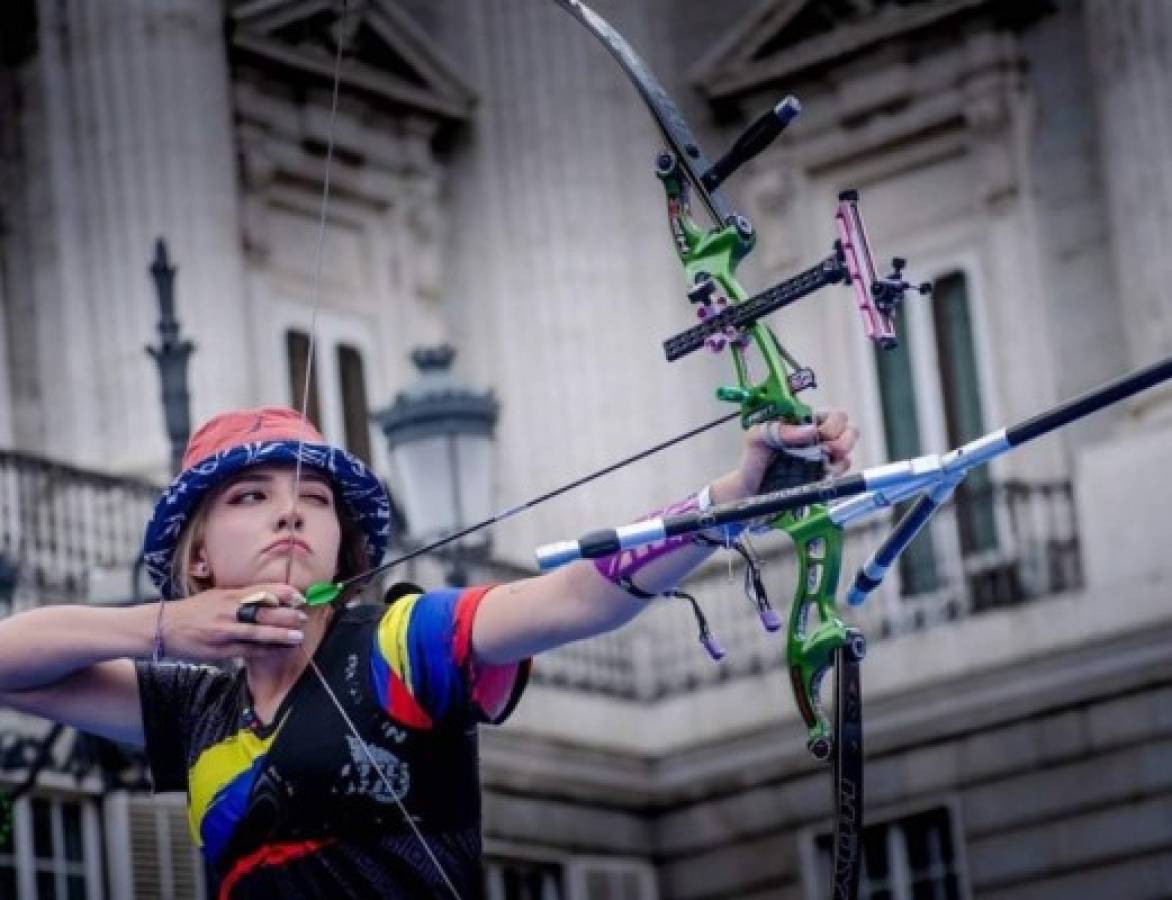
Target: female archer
point(339, 759)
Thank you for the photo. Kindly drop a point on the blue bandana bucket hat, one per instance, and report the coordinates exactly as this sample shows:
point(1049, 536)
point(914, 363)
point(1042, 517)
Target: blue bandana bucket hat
point(238, 440)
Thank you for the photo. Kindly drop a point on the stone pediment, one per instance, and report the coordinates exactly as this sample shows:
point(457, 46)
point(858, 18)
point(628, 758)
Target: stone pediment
point(786, 40)
point(388, 57)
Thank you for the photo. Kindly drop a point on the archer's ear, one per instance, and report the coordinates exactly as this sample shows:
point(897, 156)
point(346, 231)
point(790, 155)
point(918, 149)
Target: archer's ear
point(200, 568)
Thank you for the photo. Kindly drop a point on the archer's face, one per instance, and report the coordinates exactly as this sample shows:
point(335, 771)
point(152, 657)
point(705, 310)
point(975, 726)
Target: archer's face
point(255, 527)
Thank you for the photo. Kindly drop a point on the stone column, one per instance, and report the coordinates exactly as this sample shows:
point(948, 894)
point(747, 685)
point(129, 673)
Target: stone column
point(6, 401)
point(1130, 45)
point(132, 139)
point(559, 253)
point(1123, 486)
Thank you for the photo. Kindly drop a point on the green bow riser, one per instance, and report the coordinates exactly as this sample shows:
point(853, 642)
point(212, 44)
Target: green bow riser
point(812, 639)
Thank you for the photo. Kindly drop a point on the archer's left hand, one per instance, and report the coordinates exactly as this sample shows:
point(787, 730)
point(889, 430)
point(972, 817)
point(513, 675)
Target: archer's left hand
point(831, 433)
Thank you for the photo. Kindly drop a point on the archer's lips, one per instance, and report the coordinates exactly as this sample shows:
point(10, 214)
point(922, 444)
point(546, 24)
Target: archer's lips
point(288, 545)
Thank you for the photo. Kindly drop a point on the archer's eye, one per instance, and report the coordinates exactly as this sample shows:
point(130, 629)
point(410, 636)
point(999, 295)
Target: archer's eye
point(246, 497)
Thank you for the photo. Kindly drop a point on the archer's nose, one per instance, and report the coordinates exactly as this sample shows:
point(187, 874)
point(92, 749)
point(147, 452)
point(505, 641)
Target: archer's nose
point(290, 520)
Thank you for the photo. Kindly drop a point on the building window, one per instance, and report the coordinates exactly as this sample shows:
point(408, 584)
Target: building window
point(963, 413)
point(901, 429)
point(522, 879)
point(610, 878)
point(569, 878)
point(58, 849)
point(161, 858)
point(337, 404)
point(51, 851)
point(915, 857)
point(930, 395)
point(8, 863)
point(297, 344)
point(355, 415)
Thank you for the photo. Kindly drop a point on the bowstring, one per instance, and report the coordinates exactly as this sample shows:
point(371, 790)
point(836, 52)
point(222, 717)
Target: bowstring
point(319, 256)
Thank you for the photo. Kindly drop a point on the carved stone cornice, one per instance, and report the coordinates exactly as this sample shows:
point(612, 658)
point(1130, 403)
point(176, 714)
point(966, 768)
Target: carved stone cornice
point(919, 81)
point(390, 61)
point(787, 41)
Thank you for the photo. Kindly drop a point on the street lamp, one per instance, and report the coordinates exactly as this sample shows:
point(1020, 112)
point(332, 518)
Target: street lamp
point(9, 579)
point(440, 440)
point(171, 356)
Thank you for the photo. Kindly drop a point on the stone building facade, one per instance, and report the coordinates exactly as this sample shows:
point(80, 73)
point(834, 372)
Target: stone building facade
point(492, 186)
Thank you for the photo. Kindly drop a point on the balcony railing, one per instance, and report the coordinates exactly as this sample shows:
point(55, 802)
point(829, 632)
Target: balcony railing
point(60, 525)
point(1004, 545)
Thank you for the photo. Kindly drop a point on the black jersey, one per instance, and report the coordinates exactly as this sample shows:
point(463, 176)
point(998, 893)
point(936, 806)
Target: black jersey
point(294, 808)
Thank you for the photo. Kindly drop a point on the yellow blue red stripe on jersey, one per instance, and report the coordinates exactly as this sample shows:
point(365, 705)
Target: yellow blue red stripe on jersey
point(421, 665)
point(220, 783)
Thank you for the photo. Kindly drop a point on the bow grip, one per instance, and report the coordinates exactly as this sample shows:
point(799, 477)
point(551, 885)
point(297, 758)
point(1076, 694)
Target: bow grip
point(790, 470)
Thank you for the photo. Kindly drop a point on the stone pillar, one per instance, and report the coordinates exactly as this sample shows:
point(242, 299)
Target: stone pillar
point(6, 401)
point(1123, 486)
point(132, 139)
point(559, 252)
point(1130, 45)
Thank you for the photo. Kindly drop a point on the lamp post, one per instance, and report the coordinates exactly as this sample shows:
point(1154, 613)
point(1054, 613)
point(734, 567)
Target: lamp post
point(440, 440)
point(171, 356)
point(9, 579)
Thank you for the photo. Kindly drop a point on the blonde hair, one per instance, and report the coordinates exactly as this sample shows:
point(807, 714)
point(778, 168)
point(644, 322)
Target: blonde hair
point(353, 557)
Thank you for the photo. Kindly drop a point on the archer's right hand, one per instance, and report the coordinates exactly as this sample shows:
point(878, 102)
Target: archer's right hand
point(208, 626)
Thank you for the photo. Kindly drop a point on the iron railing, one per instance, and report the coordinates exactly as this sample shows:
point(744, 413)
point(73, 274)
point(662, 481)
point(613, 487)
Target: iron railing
point(997, 546)
point(61, 525)
point(1003, 545)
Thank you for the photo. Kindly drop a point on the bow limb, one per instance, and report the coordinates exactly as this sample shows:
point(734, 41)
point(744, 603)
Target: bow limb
point(672, 125)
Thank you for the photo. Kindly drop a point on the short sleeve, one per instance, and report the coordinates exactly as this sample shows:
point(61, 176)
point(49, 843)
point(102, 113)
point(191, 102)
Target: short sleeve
point(172, 696)
point(422, 665)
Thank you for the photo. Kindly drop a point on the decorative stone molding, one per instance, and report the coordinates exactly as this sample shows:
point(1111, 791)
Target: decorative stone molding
point(397, 94)
point(424, 221)
point(1130, 44)
point(774, 195)
point(998, 114)
point(791, 40)
point(391, 61)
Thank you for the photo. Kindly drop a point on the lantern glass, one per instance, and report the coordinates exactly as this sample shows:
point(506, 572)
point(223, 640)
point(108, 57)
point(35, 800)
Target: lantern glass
point(444, 483)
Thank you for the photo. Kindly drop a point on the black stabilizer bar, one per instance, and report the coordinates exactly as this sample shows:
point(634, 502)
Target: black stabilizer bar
point(747, 313)
point(1091, 401)
point(759, 135)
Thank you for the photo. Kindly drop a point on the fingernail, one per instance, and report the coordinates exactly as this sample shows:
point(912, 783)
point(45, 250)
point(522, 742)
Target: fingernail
point(295, 637)
point(302, 617)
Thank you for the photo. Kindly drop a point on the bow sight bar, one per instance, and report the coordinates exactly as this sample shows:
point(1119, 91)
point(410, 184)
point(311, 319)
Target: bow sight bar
point(851, 261)
point(710, 259)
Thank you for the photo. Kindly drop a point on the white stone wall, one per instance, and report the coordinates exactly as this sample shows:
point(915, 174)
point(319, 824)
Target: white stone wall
point(5, 381)
point(126, 135)
point(1086, 313)
point(1123, 484)
point(1129, 43)
point(536, 242)
point(561, 277)
point(378, 286)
